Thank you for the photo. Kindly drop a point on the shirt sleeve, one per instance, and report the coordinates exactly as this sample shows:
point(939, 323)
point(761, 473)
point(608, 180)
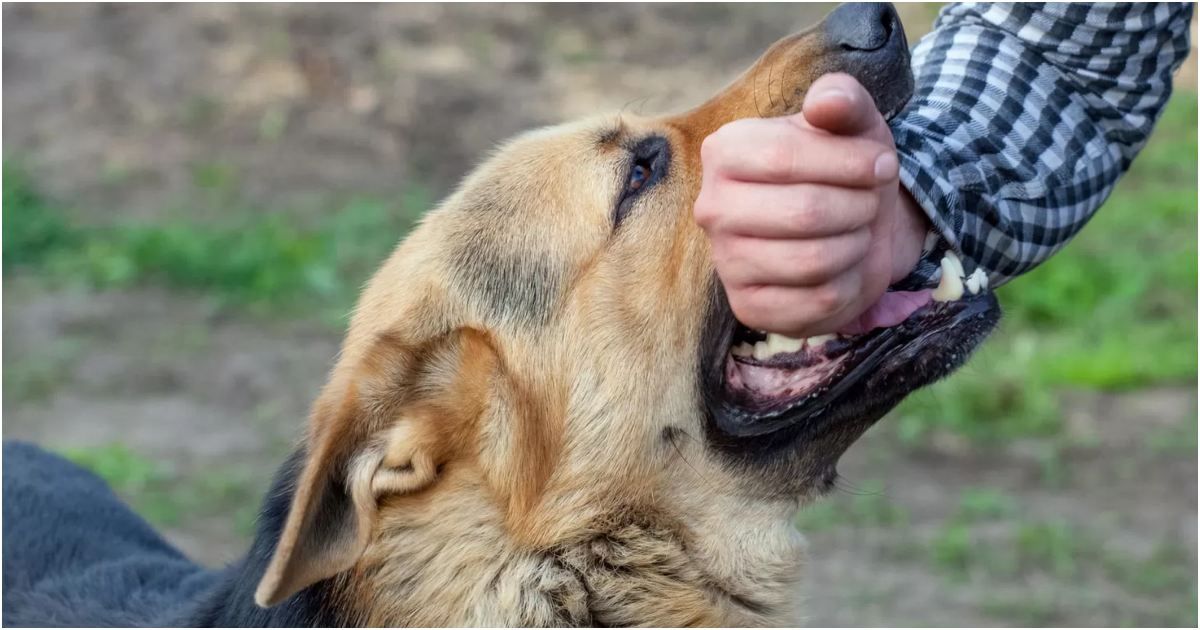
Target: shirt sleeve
point(1023, 119)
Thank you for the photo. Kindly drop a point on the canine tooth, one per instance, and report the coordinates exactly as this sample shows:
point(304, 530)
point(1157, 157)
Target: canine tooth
point(955, 264)
point(977, 281)
point(762, 350)
point(743, 350)
point(777, 344)
point(819, 339)
point(951, 286)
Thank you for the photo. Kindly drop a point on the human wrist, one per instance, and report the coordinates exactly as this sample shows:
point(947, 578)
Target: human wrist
point(908, 235)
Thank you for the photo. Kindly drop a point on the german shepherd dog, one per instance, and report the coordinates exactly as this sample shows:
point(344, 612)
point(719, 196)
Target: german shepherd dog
point(537, 417)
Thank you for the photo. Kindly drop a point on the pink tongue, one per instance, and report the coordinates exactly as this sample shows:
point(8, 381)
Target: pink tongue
point(891, 309)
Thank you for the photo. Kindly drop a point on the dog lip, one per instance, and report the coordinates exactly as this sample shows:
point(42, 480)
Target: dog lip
point(890, 348)
point(897, 108)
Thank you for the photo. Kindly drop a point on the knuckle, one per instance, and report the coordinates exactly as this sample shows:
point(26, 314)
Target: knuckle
point(827, 299)
point(717, 145)
point(806, 213)
point(760, 308)
point(817, 261)
point(860, 242)
point(859, 209)
point(724, 259)
point(710, 148)
point(778, 159)
point(705, 210)
point(744, 302)
point(862, 165)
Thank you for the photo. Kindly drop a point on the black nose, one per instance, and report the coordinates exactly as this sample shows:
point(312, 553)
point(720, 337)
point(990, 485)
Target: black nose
point(861, 25)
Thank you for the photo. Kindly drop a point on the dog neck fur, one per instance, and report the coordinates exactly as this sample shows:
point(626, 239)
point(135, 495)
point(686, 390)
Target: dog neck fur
point(446, 563)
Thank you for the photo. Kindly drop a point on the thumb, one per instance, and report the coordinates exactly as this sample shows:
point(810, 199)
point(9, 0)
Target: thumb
point(839, 104)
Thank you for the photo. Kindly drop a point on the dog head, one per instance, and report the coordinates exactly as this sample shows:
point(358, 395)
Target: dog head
point(531, 420)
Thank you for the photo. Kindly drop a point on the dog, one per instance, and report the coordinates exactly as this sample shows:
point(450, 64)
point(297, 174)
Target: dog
point(538, 417)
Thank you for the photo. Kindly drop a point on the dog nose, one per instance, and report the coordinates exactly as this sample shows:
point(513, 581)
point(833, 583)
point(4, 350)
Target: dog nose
point(861, 26)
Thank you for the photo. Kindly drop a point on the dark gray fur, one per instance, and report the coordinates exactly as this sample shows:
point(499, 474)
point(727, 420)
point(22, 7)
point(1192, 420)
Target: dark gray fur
point(75, 555)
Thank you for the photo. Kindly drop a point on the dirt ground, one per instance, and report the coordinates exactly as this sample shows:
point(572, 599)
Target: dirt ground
point(118, 107)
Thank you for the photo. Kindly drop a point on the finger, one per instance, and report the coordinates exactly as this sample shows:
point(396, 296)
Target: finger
point(796, 311)
point(839, 104)
point(790, 211)
point(776, 151)
point(798, 263)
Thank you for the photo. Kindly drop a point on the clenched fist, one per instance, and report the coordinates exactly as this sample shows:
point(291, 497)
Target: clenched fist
point(806, 216)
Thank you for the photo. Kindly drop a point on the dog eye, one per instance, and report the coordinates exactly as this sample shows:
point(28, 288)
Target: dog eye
point(638, 176)
point(648, 167)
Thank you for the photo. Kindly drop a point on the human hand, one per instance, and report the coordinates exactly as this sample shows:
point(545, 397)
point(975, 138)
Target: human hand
point(807, 220)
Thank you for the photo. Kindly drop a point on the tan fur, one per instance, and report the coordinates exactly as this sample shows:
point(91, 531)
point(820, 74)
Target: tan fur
point(516, 410)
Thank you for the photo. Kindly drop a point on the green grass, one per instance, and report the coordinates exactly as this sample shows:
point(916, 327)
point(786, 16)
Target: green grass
point(258, 260)
point(865, 506)
point(984, 504)
point(141, 481)
point(35, 378)
point(1069, 555)
point(1029, 610)
point(167, 499)
point(33, 228)
point(1178, 439)
point(1115, 309)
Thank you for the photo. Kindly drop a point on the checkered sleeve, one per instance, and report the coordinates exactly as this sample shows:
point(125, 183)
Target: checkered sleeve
point(1024, 117)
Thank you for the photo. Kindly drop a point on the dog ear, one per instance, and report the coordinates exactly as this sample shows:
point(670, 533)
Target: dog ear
point(383, 430)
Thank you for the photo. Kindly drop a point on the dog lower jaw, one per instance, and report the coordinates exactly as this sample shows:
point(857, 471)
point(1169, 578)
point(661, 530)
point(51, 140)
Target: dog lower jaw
point(853, 383)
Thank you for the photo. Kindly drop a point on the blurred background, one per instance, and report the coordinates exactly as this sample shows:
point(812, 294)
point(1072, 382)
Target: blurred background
point(193, 195)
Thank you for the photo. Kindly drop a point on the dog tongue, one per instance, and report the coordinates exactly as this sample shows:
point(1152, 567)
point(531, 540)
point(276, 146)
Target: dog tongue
point(891, 309)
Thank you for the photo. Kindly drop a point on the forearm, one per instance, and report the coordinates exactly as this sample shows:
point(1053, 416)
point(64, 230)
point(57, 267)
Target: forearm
point(1025, 117)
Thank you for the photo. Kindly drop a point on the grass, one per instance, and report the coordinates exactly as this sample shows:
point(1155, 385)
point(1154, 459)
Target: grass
point(984, 504)
point(988, 540)
point(259, 261)
point(35, 378)
point(865, 506)
point(167, 499)
point(1027, 570)
point(1072, 557)
point(1029, 610)
point(142, 481)
point(1179, 439)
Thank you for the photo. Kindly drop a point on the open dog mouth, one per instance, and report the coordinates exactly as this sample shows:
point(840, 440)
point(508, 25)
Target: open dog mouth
point(760, 382)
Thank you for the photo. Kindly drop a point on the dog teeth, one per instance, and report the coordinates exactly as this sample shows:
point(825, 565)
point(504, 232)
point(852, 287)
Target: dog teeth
point(951, 286)
point(813, 342)
point(977, 281)
point(955, 264)
point(743, 350)
point(955, 281)
point(779, 344)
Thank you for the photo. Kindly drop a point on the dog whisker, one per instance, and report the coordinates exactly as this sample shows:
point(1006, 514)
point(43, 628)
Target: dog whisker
point(678, 451)
point(844, 486)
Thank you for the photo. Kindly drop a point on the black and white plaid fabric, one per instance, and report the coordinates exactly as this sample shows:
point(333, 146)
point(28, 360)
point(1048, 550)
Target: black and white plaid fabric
point(1023, 119)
